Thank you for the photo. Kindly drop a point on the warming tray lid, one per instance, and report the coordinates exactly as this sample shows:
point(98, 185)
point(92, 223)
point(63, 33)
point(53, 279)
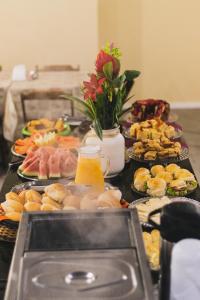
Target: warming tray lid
point(111, 274)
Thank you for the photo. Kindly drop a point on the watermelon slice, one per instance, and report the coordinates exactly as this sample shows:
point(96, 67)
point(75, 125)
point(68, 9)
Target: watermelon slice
point(32, 169)
point(69, 166)
point(54, 166)
point(43, 170)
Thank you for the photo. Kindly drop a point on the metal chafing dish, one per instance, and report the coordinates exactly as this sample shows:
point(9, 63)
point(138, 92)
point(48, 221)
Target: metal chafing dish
point(82, 255)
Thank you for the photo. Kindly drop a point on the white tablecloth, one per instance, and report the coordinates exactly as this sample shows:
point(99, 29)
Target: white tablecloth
point(67, 82)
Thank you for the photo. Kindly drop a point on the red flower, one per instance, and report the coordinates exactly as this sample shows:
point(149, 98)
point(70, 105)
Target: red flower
point(102, 59)
point(93, 87)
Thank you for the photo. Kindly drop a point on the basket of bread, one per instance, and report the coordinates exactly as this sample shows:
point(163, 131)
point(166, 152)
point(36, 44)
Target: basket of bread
point(171, 180)
point(58, 196)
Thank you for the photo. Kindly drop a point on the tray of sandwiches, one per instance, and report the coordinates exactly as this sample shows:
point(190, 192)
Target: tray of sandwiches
point(159, 180)
point(61, 195)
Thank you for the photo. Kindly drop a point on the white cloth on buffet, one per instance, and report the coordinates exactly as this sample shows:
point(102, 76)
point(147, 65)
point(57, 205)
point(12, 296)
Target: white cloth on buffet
point(67, 81)
point(185, 270)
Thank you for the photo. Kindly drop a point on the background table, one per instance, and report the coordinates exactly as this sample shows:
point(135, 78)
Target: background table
point(67, 82)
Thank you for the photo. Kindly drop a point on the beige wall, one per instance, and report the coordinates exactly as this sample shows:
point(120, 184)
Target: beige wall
point(162, 39)
point(48, 32)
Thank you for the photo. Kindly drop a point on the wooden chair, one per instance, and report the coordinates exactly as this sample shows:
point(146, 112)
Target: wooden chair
point(56, 68)
point(42, 99)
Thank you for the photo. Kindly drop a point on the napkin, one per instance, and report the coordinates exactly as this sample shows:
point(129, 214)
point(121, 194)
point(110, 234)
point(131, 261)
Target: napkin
point(19, 73)
point(185, 270)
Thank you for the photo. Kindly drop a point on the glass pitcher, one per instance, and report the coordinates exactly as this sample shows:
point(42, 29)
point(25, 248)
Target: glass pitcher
point(89, 169)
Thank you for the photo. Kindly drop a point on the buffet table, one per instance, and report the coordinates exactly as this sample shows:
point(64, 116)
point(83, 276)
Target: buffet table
point(122, 181)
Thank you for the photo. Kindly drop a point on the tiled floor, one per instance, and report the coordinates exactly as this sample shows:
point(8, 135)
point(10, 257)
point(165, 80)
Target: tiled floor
point(190, 121)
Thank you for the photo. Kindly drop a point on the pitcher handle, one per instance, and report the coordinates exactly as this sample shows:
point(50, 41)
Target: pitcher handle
point(107, 166)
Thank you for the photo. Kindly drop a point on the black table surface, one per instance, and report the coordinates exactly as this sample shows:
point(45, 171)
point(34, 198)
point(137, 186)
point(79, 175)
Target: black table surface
point(122, 181)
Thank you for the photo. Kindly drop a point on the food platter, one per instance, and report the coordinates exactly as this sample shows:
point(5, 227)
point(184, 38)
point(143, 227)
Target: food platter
point(40, 185)
point(147, 195)
point(146, 199)
point(15, 153)
point(178, 134)
point(183, 156)
point(65, 131)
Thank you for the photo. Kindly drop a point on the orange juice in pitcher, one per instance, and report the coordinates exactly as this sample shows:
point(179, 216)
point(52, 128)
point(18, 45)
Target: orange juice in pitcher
point(89, 169)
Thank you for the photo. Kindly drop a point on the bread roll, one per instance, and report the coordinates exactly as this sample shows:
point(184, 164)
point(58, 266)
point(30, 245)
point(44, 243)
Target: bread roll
point(157, 169)
point(184, 174)
point(88, 203)
point(33, 196)
point(48, 207)
point(108, 203)
point(13, 196)
point(6, 207)
point(12, 205)
point(73, 201)
point(110, 194)
point(141, 171)
point(48, 200)
point(57, 192)
point(178, 184)
point(167, 176)
point(69, 208)
point(14, 216)
point(156, 187)
point(32, 206)
point(172, 168)
point(141, 181)
point(22, 196)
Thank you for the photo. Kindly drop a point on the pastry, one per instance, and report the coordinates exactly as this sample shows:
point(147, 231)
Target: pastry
point(12, 205)
point(140, 182)
point(157, 169)
point(72, 200)
point(108, 203)
point(172, 168)
point(14, 216)
point(48, 207)
point(48, 200)
point(22, 196)
point(156, 187)
point(12, 196)
point(167, 176)
point(32, 206)
point(57, 192)
point(150, 155)
point(32, 196)
point(177, 187)
point(109, 195)
point(141, 171)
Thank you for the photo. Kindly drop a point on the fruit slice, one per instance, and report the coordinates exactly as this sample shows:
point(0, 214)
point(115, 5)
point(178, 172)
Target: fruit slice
point(32, 169)
point(54, 166)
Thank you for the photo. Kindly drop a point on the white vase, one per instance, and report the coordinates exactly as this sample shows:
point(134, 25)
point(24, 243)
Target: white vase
point(113, 149)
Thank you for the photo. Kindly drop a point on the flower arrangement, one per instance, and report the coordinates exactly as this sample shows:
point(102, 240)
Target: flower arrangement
point(106, 92)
